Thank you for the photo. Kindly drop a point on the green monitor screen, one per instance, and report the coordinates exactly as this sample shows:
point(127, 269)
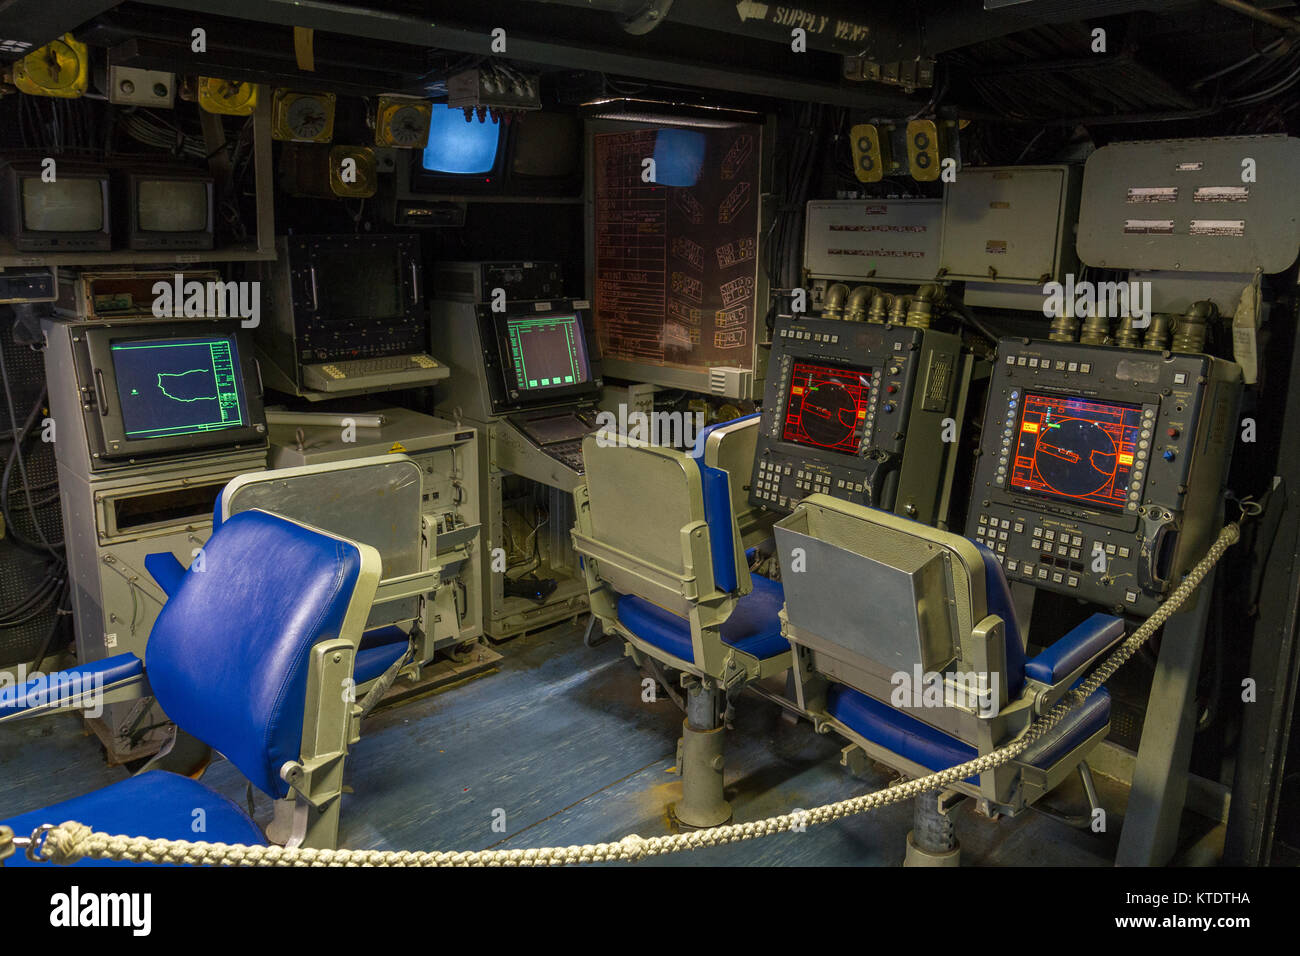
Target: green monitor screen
point(175, 387)
point(547, 351)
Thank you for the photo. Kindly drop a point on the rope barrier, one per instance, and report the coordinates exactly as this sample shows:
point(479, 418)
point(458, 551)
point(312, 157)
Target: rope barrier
point(71, 841)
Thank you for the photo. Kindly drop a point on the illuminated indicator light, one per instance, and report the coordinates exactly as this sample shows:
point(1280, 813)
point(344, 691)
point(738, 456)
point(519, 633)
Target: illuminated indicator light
point(1126, 459)
point(862, 414)
point(1030, 427)
point(796, 390)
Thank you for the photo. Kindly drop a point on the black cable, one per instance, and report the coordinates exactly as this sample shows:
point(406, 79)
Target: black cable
point(17, 453)
point(59, 614)
point(38, 595)
point(962, 312)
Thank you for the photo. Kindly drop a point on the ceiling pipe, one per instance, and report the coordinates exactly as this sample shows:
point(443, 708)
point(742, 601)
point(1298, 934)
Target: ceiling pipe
point(1263, 16)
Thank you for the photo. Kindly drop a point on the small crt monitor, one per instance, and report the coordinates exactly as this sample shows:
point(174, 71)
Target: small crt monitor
point(174, 387)
point(461, 147)
point(545, 354)
point(62, 207)
point(169, 209)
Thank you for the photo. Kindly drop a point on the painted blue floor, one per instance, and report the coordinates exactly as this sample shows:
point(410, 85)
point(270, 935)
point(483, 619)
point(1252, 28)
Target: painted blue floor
point(560, 740)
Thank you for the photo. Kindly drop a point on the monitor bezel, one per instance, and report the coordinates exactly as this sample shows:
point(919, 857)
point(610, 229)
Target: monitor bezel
point(148, 239)
point(108, 414)
point(506, 396)
point(44, 240)
point(300, 269)
point(424, 183)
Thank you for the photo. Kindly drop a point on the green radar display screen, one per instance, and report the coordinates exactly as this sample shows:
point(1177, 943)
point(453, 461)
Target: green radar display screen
point(175, 387)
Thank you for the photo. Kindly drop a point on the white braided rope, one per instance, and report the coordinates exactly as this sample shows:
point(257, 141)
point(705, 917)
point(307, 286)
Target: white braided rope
point(71, 841)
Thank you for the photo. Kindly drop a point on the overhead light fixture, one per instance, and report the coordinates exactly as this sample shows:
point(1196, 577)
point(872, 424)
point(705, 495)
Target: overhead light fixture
point(634, 110)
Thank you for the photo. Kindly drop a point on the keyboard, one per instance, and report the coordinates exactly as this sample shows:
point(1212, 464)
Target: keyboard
point(392, 371)
point(567, 453)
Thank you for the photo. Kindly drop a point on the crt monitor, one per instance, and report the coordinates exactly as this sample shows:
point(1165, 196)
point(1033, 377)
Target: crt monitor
point(546, 351)
point(174, 387)
point(64, 207)
point(1076, 450)
point(170, 209)
point(536, 154)
point(826, 406)
point(545, 354)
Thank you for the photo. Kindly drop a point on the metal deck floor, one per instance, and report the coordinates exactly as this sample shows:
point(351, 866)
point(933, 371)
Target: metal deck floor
point(560, 740)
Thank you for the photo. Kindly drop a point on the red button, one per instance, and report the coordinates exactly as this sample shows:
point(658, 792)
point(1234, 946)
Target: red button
point(1172, 433)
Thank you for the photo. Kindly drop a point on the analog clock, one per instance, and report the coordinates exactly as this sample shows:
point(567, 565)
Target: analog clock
point(402, 122)
point(353, 171)
point(303, 117)
point(60, 68)
point(227, 97)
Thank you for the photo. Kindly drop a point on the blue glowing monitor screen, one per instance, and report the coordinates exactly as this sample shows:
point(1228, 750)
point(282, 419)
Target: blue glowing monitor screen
point(679, 154)
point(170, 387)
point(458, 147)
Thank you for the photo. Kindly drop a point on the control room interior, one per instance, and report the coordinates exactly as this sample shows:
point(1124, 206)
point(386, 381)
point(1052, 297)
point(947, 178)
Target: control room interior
point(851, 434)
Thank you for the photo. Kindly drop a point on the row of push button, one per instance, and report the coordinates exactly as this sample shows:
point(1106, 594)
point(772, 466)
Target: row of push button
point(1009, 429)
point(1027, 361)
point(811, 336)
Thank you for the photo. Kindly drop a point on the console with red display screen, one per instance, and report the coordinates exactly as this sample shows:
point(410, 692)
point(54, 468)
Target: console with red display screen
point(826, 406)
point(841, 399)
point(1101, 469)
point(1076, 449)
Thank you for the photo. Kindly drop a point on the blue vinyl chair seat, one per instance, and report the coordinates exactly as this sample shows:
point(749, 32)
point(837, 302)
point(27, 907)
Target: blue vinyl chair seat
point(372, 661)
point(228, 660)
point(753, 627)
point(897, 731)
point(157, 804)
point(914, 740)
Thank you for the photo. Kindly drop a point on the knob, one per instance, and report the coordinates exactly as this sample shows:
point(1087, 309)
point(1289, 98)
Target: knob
point(889, 407)
point(1170, 454)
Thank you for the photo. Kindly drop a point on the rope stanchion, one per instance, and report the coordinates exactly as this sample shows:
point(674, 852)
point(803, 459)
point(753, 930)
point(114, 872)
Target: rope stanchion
point(72, 841)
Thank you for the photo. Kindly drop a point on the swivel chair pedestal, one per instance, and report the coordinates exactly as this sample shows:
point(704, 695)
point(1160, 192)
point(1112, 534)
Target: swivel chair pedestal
point(932, 842)
point(700, 760)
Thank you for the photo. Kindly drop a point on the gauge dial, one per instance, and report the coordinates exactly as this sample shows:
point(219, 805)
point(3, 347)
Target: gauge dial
point(303, 117)
point(60, 68)
point(227, 97)
point(353, 171)
point(402, 122)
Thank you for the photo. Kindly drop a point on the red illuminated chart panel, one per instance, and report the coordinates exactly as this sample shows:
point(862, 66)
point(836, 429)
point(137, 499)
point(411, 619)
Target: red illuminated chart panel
point(1076, 449)
point(826, 406)
point(676, 254)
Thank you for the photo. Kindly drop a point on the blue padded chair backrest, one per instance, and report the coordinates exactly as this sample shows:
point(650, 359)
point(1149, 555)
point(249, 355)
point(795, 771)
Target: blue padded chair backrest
point(998, 598)
point(717, 511)
point(227, 657)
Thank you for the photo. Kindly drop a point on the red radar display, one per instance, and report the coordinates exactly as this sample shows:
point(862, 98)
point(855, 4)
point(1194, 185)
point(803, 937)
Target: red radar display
point(826, 406)
point(1078, 450)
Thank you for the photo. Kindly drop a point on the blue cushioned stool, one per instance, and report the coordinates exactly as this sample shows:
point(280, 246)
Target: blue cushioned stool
point(666, 570)
point(250, 655)
point(907, 645)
